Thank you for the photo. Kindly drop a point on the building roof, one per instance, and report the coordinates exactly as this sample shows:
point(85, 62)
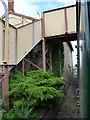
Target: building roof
point(18, 20)
point(24, 16)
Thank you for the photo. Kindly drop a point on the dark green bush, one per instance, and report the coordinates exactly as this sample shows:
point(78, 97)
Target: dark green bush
point(58, 58)
point(35, 90)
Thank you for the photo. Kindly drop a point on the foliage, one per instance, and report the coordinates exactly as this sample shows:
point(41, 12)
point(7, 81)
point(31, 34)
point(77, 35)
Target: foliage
point(61, 56)
point(2, 103)
point(76, 65)
point(10, 114)
point(75, 69)
point(23, 112)
point(2, 106)
point(36, 89)
point(57, 58)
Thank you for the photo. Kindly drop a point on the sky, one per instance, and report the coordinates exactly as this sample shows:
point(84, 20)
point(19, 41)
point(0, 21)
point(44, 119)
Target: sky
point(31, 7)
point(34, 8)
point(74, 43)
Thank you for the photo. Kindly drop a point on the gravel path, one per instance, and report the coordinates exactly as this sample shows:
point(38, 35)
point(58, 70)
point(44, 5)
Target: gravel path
point(69, 109)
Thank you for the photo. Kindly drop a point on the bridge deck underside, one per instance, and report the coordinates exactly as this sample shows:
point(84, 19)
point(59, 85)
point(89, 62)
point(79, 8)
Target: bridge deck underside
point(62, 38)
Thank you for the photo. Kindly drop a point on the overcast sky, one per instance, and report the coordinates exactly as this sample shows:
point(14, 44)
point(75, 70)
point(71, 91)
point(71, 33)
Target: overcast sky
point(31, 7)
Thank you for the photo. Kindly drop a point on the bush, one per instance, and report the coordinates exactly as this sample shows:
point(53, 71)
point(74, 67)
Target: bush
point(35, 90)
point(2, 108)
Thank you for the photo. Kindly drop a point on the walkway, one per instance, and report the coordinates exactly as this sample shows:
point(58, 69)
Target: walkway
point(69, 109)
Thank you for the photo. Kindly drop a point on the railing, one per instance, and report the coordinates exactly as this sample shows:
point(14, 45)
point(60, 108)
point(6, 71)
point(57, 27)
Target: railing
point(60, 21)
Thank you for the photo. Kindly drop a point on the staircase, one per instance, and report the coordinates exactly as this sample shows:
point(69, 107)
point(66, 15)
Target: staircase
point(56, 24)
point(22, 40)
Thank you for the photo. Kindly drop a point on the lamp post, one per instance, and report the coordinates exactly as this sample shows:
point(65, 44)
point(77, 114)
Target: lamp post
point(6, 50)
point(5, 81)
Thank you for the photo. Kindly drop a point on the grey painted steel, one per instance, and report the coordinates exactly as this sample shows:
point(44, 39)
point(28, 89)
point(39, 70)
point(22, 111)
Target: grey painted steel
point(84, 58)
point(6, 11)
point(21, 23)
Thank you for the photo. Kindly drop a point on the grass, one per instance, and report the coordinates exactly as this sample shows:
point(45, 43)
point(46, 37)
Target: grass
point(67, 107)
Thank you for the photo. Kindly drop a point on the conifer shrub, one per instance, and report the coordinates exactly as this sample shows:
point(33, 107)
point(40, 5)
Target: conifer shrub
point(31, 92)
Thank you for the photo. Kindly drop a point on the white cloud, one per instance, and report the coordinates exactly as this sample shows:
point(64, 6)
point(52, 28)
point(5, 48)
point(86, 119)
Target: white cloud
point(22, 6)
point(63, 1)
point(27, 8)
point(30, 7)
point(49, 6)
point(67, 1)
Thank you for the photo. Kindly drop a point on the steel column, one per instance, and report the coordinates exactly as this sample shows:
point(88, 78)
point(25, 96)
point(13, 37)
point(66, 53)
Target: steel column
point(5, 85)
point(43, 25)
point(3, 81)
point(32, 54)
point(60, 61)
point(44, 58)
point(66, 20)
point(23, 67)
point(50, 55)
point(43, 43)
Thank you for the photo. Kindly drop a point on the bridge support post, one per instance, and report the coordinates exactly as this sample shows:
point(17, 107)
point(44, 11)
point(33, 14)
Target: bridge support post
point(50, 56)
point(32, 56)
point(23, 67)
point(43, 53)
point(5, 84)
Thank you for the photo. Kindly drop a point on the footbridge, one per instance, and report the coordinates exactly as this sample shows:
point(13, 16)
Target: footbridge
point(55, 24)
point(58, 24)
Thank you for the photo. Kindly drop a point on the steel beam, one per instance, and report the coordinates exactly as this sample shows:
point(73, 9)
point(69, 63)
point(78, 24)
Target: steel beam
point(48, 62)
point(46, 51)
point(27, 67)
point(40, 65)
point(32, 63)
